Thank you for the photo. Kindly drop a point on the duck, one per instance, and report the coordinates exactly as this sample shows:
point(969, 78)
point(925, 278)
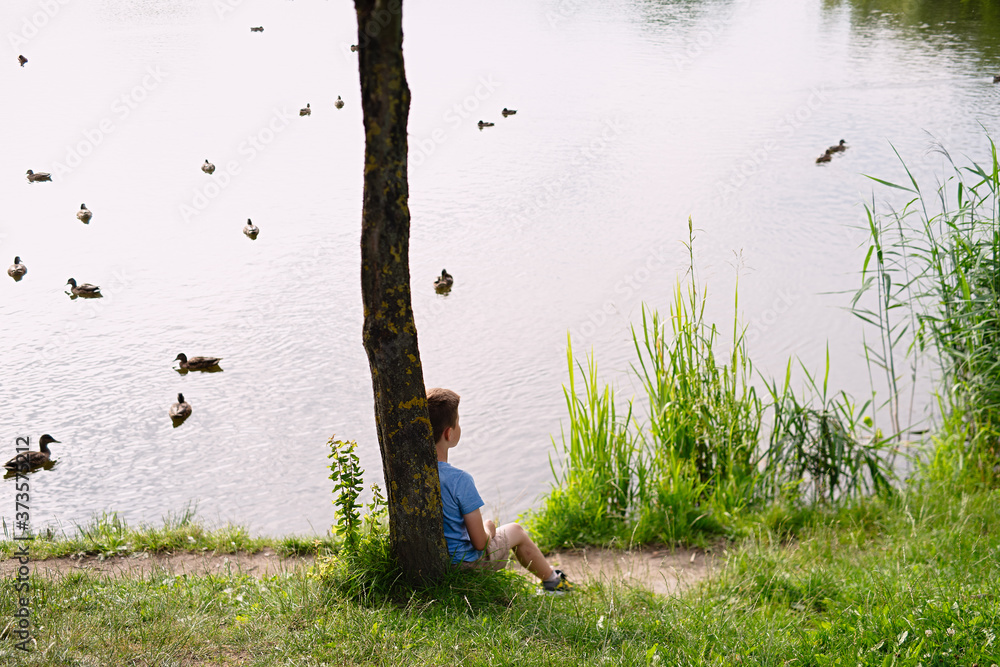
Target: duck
point(251, 230)
point(825, 157)
point(85, 290)
point(996, 79)
point(22, 60)
point(208, 167)
point(180, 410)
point(197, 363)
point(444, 281)
point(354, 49)
point(508, 112)
point(17, 270)
point(339, 103)
point(259, 28)
point(839, 148)
point(33, 459)
point(84, 214)
point(305, 112)
point(39, 177)
point(483, 124)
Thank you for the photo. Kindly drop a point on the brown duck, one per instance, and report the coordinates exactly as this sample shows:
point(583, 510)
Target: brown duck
point(180, 410)
point(33, 459)
point(197, 363)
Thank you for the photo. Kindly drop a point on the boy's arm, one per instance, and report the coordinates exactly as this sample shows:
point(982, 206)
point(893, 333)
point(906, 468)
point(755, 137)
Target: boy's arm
point(480, 532)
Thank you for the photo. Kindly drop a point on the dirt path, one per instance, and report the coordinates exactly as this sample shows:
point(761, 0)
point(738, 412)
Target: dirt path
point(663, 572)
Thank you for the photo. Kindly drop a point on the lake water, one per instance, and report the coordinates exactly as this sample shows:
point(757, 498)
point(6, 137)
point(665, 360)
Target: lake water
point(632, 116)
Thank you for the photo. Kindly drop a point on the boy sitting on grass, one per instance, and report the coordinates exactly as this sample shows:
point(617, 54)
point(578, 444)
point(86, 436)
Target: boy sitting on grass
point(471, 540)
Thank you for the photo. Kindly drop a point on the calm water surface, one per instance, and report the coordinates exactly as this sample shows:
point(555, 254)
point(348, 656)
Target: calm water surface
point(633, 115)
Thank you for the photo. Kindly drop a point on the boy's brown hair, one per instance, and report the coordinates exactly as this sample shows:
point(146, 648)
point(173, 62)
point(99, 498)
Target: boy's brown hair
point(442, 404)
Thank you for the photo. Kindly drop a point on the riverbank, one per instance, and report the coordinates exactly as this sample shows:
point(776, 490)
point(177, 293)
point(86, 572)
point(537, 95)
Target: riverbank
point(909, 580)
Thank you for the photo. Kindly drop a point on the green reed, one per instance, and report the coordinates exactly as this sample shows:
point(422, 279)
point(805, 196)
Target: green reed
point(820, 454)
point(701, 458)
point(935, 267)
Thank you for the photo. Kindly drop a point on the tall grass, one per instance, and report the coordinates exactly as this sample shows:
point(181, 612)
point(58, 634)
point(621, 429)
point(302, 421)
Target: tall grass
point(701, 457)
point(934, 265)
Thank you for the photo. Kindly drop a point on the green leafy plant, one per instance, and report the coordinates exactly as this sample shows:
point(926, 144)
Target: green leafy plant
point(348, 480)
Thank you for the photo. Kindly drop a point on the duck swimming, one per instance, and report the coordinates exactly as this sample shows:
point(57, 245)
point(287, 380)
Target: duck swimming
point(444, 281)
point(483, 124)
point(250, 230)
point(825, 157)
point(22, 60)
point(305, 112)
point(339, 103)
point(86, 290)
point(208, 167)
point(39, 177)
point(32, 460)
point(259, 28)
point(839, 148)
point(84, 214)
point(508, 112)
point(180, 410)
point(17, 270)
point(197, 363)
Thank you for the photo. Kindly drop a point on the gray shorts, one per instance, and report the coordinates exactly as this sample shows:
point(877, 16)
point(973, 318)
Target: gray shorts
point(495, 555)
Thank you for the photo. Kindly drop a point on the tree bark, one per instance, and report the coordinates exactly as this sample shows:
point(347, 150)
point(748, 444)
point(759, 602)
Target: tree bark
point(409, 461)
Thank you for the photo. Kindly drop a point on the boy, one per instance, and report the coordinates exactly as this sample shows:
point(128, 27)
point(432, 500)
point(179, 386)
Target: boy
point(470, 538)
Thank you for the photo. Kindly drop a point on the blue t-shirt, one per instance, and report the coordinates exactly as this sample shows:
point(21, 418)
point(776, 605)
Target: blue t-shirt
point(458, 497)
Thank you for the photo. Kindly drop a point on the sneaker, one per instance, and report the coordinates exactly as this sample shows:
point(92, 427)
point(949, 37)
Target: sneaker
point(560, 585)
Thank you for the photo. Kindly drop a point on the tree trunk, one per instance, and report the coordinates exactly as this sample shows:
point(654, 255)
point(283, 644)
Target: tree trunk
point(409, 460)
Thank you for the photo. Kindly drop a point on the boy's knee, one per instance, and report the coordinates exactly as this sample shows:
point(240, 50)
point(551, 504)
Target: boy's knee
point(516, 534)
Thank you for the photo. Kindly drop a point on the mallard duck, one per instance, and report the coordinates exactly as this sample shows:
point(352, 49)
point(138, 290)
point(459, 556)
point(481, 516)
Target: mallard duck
point(22, 60)
point(483, 124)
point(305, 112)
point(444, 281)
point(85, 290)
point(839, 148)
point(40, 176)
point(180, 410)
point(32, 459)
point(825, 157)
point(354, 48)
point(259, 28)
point(197, 363)
point(84, 214)
point(508, 112)
point(208, 167)
point(339, 103)
point(251, 229)
point(17, 270)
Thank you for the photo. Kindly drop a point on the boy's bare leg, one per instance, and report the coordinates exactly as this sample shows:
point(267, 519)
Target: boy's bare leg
point(526, 551)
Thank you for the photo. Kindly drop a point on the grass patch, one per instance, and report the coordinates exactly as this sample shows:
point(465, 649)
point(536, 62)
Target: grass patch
point(108, 534)
point(905, 580)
